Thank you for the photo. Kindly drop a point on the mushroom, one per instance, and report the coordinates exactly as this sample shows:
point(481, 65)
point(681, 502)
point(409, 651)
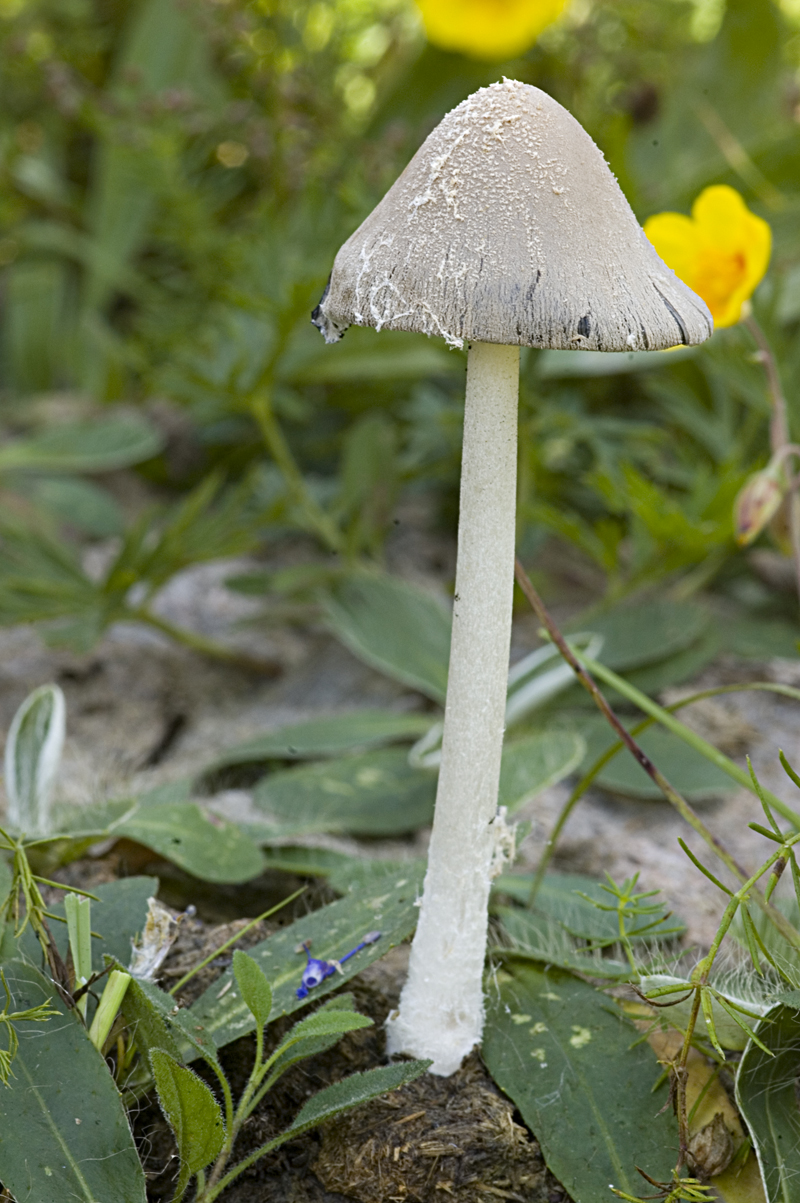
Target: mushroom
point(506, 229)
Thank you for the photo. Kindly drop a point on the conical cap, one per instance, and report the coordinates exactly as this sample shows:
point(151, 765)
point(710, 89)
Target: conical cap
point(507, 226)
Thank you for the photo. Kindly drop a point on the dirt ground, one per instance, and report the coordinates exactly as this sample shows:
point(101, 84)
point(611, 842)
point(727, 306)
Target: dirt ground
point(142, 711)
point(431, 1140)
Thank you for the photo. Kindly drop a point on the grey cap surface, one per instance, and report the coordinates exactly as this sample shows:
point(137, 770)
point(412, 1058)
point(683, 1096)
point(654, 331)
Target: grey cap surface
point(507, 226)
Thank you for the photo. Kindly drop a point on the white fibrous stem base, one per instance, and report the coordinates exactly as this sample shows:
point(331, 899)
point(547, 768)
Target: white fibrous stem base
point(441, 1007)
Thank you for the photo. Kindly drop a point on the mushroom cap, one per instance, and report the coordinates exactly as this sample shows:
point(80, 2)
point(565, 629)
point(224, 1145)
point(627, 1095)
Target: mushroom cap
point(508, 227)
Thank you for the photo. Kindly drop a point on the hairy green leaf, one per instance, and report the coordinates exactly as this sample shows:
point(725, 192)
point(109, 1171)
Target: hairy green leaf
point(532, 936)
point(328, 1023)
point(559, 1048)
point(353, 731)
point(154, 1007)
point(375, 793)
point(146, 1022)
point(535, 762)
point(191, 1110)
point(333, 930)
point(640, 634)
point(767, 1098)
point(312, 1046)
point(353, 1091)
point(253, 987)
point(33, 757)
point(394, 627)
point(560, 897)
point(684, 767)
point(204, 845)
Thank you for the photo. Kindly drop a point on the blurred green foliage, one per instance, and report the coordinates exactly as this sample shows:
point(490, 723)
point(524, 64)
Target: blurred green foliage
point(175, 179)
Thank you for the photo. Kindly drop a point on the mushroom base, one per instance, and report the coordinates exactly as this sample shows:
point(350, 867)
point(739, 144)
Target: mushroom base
point(441, 1007)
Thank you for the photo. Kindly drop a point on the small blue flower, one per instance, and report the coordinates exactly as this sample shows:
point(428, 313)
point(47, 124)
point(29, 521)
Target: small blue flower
point(316, 971)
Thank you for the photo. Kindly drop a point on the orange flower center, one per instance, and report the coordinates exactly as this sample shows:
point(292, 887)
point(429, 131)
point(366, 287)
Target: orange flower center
point(719, 273)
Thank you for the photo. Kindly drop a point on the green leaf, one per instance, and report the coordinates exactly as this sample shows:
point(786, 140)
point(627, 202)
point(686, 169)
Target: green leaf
point(684, 767)
point(253, 987)
point(675, 669)
point(6, 879)
point(80, 503)
point(157, 1012)
point(783, 954)
point(366, 355)
point(42, 580)
point(204, 845)
point(103, 445)
point(311, 1046)
point(760, 639)
point(33, 757)
point(356, 731)
point(191, 1110)
point(333, 930)
point(64, 1133)
point(352, 1092)
point(559, 365)
point(376, 793)
point(535, 762)
point(314, 1035)
point(394, 627)
point(308, 862)
point(539, 937)
point(767, 1098)
point(639, 634)
point(35, 293)
point(366, 873)
point(145, 1021)
point(567, 1058)
point(118, 916)
point(326, 1022)
point(559, 896)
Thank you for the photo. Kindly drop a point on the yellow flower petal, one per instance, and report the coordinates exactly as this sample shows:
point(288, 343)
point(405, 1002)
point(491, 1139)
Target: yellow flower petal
point(722, 251)
point(488, 29)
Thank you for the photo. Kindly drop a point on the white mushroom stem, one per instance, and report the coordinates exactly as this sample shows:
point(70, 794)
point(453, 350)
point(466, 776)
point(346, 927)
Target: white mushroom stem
point(441, 1008)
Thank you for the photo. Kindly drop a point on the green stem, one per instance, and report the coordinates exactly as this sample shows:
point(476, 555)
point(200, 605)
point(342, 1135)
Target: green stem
point(582, 786)
point(183, 1182)
point(568, 807)
point(212, 956)
point(279, 449)
point(779, 429)
point(207, 647)
point(686, 734)
point(681, 805)
point(235, 1120)
point(226, 1092)
point(213, 1192)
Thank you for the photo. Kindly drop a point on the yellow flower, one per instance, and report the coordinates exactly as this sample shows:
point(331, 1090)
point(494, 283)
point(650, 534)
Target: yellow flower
point(488, 29)
point(721, 251)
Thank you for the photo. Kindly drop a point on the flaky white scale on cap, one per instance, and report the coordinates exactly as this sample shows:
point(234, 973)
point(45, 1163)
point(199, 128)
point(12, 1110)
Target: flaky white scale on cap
point(508, 227)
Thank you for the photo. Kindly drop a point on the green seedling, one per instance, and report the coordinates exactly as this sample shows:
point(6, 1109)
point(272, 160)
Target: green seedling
point(206, 1132)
